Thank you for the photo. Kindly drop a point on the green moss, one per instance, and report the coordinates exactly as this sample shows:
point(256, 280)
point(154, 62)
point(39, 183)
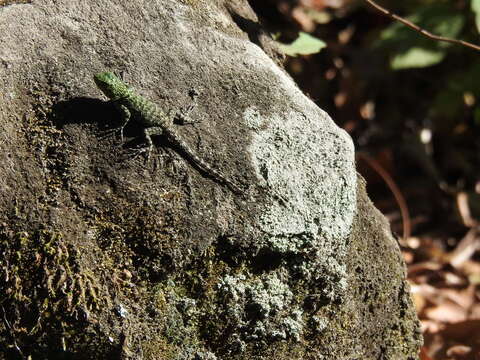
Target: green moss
point(159, 348)
point(44, 287)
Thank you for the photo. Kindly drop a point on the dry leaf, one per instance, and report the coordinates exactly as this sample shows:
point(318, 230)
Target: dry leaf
point(465, 248)
point(448, 312)
point(458, 350)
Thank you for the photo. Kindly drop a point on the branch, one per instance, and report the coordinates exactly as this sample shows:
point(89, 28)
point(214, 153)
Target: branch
point(419, 29)
point(397, 194)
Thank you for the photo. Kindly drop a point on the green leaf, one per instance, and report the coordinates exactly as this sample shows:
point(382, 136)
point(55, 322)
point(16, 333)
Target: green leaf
point(417, 57)
point(305, 44)
point(476, 9)
point(449, 100)
point(410, 49)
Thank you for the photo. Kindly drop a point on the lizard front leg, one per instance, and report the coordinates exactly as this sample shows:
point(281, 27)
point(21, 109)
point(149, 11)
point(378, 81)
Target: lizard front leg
point(125, 114)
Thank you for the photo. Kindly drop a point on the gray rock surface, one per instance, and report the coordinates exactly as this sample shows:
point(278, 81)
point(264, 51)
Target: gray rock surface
point(111, 256)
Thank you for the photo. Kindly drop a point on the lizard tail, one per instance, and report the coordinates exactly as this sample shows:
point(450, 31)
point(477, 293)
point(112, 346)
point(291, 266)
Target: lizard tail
point(201, 165)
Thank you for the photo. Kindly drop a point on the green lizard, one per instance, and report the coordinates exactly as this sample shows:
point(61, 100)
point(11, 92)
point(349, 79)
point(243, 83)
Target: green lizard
point(154, 122)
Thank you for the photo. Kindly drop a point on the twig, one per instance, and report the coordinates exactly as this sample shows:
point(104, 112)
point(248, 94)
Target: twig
point(419, 29)
point(397, 194)
point(466, 247)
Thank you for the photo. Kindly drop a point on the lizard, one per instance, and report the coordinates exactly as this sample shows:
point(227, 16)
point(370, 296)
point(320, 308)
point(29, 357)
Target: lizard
point(154, 121)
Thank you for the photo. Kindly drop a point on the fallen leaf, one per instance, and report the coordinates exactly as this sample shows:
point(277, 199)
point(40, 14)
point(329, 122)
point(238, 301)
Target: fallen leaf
point(459, 350)
point(448, 312)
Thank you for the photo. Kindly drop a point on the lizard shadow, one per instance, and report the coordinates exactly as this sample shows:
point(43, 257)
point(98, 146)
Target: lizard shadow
point(105, 119)
point(102, 117)
point(96, 113)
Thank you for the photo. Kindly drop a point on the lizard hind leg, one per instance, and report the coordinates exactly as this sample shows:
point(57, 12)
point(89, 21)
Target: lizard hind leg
point(148, 132)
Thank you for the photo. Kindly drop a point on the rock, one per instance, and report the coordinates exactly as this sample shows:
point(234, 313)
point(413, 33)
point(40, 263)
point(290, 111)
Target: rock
point(107, 256)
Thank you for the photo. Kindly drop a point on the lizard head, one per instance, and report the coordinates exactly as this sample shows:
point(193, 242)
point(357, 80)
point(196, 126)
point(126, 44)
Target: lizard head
point(111, 85)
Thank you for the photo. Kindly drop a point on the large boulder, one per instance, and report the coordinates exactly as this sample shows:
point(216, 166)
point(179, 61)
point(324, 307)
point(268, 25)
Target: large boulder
point(106, 255)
